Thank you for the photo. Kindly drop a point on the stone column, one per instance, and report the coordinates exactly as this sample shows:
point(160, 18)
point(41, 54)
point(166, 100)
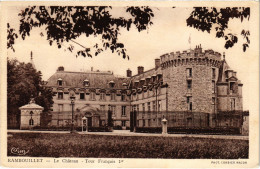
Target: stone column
point(164, 126)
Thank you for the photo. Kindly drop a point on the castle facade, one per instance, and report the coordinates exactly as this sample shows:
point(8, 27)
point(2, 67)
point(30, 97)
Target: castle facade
point(189, 88)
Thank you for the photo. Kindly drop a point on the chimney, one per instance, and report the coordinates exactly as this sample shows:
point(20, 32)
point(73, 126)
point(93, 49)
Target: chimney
point(140, 70)
point(128, 73)
point(61, 68)
point(157, 63)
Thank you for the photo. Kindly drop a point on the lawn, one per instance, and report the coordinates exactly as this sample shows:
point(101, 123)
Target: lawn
point(76, 145)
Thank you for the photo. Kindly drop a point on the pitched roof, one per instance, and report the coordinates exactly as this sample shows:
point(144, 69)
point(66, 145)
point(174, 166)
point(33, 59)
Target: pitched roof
point(96, 79)
point(31, 106)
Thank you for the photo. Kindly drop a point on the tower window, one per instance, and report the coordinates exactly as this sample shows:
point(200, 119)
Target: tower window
point(189, 101)
point(213, 73)
point(123, 123)
point(213, 86)
point(189, 72)
point(189, 84)
point(31, 122)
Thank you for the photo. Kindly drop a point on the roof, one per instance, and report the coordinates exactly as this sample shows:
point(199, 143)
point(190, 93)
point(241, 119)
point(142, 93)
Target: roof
point(96, 79)
point(31, 106)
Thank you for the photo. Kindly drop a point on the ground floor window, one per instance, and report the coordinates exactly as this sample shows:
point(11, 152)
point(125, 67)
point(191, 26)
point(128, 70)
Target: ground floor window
point(123, 123)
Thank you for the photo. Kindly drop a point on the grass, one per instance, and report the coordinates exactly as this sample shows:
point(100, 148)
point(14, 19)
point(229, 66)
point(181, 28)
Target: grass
point(75, 145)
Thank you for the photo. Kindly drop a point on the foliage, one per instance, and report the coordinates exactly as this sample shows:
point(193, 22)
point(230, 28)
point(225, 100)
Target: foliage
point(24, 82)
point(67, 23)
point(204, 18)
point(100, 146)
point(11, 36)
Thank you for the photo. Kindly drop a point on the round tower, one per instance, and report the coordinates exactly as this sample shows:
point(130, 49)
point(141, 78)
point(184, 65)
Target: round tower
point(192, 77)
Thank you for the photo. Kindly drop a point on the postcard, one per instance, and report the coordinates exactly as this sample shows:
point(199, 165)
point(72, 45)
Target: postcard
point(129, 84)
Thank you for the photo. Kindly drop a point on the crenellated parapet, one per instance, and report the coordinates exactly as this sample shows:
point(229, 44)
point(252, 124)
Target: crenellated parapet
point(191, 57)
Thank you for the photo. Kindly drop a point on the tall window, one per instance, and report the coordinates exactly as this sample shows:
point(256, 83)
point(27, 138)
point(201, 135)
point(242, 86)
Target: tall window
point(213, 73)
point(60, 95)
point(123, 110)
point(233, 104)
point(92, 95)
point(102, 108)
point(60, 108)
point(102, 96)
point(149, 106)
point(82, 96)
point(59, 82)
point(137, 107)
point(123, 97)
point(143, 105)
point(113, 109)
point(213, 86)
point(189, 101)
point(113, 96)
point(159, 105)
point(189, 72)
point(154, 105)
point(189, 83)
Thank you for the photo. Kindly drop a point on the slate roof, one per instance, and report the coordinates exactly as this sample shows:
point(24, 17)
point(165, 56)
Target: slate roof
point(96, 79)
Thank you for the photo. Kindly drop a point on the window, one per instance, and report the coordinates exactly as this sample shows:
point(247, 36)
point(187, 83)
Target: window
point(189, 72)
point(60, 95)
point(111, 84)
point(60, 108)
point(149, 106)
point(123, 123)
point(137, 108)
point(143, 122)
point(213, 86)
point(31, 122)
point(232, 87)
point(159, 105)
point(189, 83)
point(102, 108)
point(149, 122)
point(92, 95)
point(102, 96)
point(113, 109)
point(233, 103)
point(60, 82)
point(123, 97)
point(113, 96)
point(189, 101)
point(86, 83)
point(143, 105)
point(213, 73)
point(82, 96)
point(154, 105)
point(123, 110)
point(213, 100)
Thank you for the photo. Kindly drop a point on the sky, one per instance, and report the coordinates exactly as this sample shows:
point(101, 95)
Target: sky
point(169, 33)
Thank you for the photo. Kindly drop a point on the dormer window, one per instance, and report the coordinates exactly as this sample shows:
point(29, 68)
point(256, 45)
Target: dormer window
point(59, 81)
point(111, 84)
point(86, 83)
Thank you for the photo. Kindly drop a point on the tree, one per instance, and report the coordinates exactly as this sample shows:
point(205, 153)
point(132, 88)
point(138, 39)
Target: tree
point(23, 83)
point(67, 23)
point(204, 18)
